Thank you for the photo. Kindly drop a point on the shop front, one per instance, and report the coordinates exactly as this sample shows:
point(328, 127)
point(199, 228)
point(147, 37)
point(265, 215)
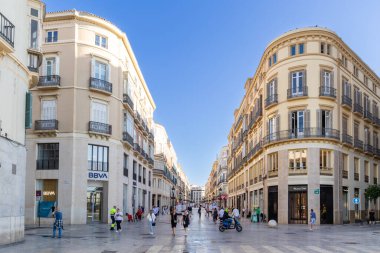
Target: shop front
point(297, 208)
point(273, 203)
point(97, 185)
point(46, 197)
point(327, 204)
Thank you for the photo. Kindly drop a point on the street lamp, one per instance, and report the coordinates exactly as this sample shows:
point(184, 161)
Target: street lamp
point(173, 196)
point(220, 196)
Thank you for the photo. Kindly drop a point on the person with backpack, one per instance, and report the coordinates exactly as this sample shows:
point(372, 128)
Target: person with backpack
point(185, 221)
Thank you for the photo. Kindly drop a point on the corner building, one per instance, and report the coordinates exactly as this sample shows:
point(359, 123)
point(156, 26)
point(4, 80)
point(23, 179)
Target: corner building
point(306, 132)
point(91, 144)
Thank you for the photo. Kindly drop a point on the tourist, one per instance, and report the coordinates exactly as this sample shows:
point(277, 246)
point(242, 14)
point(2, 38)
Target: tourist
point(236, 213)
point(215, 215)
point(200, 211)
point(112, 215)
point(243, 212)
point(185, 221)
point(372, 217)
point(173, 219)
point(119, 219)
point(313, 218)
point(221, 213)
point(58, 224)
point(151, 221)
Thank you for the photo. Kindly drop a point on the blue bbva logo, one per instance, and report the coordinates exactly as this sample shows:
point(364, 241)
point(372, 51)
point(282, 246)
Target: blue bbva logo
point(97, 175)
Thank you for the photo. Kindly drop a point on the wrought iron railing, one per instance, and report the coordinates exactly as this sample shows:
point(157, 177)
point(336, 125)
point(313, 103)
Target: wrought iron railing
point(99, 127)
point(128, 100)
point(326, 91)
point(302, 133)
point(100, 84)
point(367, 115)
point(358, 144)
point(346, 100)
point(297, 92)
point(347, 139)
point(128, 138)
point(358, 108)
point(46, 81)
point(7, 30)
point(43, 125)
point(270, 100)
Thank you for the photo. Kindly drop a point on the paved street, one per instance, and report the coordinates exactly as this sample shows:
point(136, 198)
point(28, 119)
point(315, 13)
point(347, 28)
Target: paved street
point(202, 237)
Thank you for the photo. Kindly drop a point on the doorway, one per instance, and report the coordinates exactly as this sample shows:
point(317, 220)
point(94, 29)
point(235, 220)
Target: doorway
point(297, 205)
point(94, 203)
point(272, 203)
point(326, 204)
point(346, 217)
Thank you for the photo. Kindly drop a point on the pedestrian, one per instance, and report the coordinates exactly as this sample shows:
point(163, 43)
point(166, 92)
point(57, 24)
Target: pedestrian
point(313, 218)
point(173, 219)
point(236, 213)
point(258, 212)
point(215, 215)
point(200, 211)
point(372, 217)
point(119, 219)
point(185, 221)
point(112, 215)
point(243, 212)
point(58, 224)
point(221, 213)
point(151, 221)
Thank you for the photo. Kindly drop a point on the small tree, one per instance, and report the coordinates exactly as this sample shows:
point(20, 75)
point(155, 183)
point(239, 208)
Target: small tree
point(372, 192)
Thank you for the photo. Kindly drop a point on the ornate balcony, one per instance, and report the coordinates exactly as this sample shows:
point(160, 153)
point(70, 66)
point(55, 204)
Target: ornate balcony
point(273, 173)
point(358, 144)
point(326, 91)
point(367, 116)
point(100, 85)
point(325, 171)
point(358, 109)
point(136, 148)
point(271, 100)
point(128, 138)
point(298, 92)
point(301, 134)
point(7, 34)
point(46, 125)
point(127, 100)
point(346, 101)
point(347, 139)
point(297, 171)
point(368, 149)
point(52, 81)
point(97, 127)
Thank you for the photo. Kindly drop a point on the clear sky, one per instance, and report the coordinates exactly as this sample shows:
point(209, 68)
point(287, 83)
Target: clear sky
point(195, 56)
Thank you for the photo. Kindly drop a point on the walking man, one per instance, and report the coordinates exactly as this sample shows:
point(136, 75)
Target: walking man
point(112, 215)
point(151, 221)
point(313, 218)
point(58, 224)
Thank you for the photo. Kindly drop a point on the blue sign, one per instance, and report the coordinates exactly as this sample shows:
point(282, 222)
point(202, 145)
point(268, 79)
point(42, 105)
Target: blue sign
point(356, 201)
point(45, 209)
point(96, 175)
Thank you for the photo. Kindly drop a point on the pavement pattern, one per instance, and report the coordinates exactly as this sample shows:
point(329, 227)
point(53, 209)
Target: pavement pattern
point(203, 236)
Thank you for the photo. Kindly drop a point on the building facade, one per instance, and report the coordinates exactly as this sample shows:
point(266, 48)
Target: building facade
point(305, 135)
point(91, 145)
point(20, 26)
point(197, 194)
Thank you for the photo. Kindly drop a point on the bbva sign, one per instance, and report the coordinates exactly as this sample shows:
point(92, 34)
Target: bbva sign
point(98, 175)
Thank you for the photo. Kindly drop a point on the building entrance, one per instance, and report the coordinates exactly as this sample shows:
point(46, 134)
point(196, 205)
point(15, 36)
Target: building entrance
point(327, 207)
point(297, 204)
point(94, 203)
point(272, 202)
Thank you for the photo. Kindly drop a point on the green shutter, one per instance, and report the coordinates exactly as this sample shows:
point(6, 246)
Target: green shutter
point(28, 111)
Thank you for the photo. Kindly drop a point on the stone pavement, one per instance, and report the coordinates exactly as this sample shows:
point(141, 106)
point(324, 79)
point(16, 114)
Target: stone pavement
point(203, 236)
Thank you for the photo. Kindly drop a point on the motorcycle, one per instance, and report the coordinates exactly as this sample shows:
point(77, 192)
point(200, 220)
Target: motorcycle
point(230, 223)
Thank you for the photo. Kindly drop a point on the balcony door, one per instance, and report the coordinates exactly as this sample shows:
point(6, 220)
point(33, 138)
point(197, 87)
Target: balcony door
point(326, 75)
point(48, 109)
point(100, 71)
point(297, 123)
point(324, 122)
point(297, 83)
point(99, 112)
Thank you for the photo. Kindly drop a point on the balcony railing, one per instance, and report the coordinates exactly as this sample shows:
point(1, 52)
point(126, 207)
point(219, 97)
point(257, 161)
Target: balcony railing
point(33, 69)
point(367, 115)
point(48, 81)
point(128, 138)
point(345, 174)
point(346, 100)
point(128, 100)
point(368, 149)
point(273, 173)
point(356, 176)
point(99, 84)
point(298, 171)
point(7, 30)
point(271, 100)
point(150, 161)
point(376, 151)
point(347, 139)
point(136, 147)
point(358, 144)
point(326, 171)
point(298, 92)
point(375, 120)
point(302, 133)
point(46, 125)
point(358, 108)
point(326, 91)
point(99, 127)
point(366, 178)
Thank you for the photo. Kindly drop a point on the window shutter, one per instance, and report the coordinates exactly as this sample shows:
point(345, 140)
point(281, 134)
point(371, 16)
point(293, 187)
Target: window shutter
point(290, 80)
point(92, 67)
point(332, 79)
point(28, 110)
point(304, 79)
point(278, 123)
point(307, 118)
point(319, 119)
point(275, 86)
point(331, 123)
point(322, 78)
point(290, 121)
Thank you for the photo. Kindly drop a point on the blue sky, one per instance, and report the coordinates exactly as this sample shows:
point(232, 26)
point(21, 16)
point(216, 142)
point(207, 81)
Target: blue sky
point(196, 55)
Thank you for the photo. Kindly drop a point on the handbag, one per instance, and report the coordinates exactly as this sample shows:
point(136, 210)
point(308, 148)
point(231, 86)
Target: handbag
point(153, 224)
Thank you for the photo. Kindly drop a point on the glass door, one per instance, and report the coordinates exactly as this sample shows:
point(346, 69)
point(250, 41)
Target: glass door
point(298, 207)
point(94, 205)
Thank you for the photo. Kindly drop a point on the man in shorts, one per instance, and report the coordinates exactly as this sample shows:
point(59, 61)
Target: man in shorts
point(313, 218)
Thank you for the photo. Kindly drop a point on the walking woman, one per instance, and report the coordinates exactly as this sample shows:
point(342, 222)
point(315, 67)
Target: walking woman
point(185, 221)
point(173, 219)
point(151, 221)
point(119, 219)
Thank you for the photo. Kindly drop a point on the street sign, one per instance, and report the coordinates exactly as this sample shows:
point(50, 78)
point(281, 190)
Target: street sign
point(316, 191)
point(356, 201)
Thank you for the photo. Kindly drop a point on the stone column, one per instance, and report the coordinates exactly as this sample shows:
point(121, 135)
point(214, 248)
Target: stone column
point(313, 179)
point(283, 190)
point(337, 188)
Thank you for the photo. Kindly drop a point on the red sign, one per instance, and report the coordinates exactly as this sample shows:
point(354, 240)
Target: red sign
point(38, 193)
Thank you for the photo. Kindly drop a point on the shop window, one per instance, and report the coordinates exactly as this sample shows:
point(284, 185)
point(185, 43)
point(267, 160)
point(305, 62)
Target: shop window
point(98, 158)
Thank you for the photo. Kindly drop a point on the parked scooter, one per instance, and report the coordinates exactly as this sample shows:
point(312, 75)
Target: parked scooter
point(230, 223)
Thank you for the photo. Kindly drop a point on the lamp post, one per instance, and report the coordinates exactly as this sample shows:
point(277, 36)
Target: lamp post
point(220, 196)
point(173, 196)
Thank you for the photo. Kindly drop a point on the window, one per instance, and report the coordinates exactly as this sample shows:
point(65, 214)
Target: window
point(367, 103)
point(328, 49)
point(326, 77)
point(149, 178)
point(144, 175)
point(297, 83)
point(99, 112)
point(134, 170)
point(52, 36)
point(324, 121)
point(356, 71)
point(356, 130)
point(272, 91)
point(97, 158)
point(357, 96)
point(367, 136)
point(346, 88)
point(50, 67)
point(366, 171)
point(270, 61)
point(300, 48)
point(125, 165)
point(48, 109)
point(34, 34)
point(345, 166)
point(48, 156)
point(101, 70)
point(297, 159)
point(128, 123)
point(33, 61)
point(101, 41)
point(293, 50)
point(273, 161)
point(356, 169)
point(366, 80)
point(274, 58)
point(344, 61)
point(325, 159)
point(297, 123)
point(273, 123)
point(344, 125)
point(375, 142)
point(140, 172)
point(34, 12)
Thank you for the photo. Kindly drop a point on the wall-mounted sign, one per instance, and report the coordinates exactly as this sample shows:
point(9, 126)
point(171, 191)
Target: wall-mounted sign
point(48, 193)
point(97, 175)
point(297, 188)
